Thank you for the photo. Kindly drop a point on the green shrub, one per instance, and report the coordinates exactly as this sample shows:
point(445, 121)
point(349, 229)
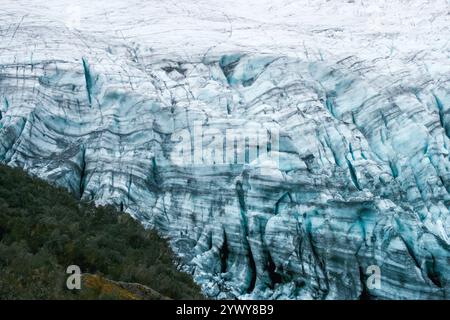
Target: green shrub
point(44, 229)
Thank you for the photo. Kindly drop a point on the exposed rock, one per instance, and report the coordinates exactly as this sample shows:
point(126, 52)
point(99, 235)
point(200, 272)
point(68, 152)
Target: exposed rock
point(103, 287)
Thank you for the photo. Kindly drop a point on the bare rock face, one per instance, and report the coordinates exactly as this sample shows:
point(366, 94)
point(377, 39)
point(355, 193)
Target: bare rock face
point(351, 172)
point(105, 288)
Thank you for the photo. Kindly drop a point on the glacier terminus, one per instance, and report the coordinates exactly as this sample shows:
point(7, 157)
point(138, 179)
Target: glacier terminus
point(287, 149)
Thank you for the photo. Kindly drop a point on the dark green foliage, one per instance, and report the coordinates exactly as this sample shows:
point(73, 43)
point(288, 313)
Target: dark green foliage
point(44, 229)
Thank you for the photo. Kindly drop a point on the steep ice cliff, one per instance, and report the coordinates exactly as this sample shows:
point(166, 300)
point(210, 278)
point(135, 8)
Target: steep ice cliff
point(97, 97)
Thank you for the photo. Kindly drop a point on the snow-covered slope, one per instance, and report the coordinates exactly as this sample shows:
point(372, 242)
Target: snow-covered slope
point(96, 96)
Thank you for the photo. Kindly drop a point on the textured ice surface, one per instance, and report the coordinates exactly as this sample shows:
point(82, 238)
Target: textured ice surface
point(92, 94)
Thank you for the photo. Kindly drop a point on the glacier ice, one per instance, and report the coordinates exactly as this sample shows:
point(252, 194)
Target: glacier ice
point(361, 96)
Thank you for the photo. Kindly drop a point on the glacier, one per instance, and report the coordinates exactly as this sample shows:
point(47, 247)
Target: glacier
point(94, 96)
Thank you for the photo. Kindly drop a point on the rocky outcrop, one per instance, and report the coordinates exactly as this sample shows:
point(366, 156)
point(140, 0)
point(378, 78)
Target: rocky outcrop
point(361, 176)
point(103, 288)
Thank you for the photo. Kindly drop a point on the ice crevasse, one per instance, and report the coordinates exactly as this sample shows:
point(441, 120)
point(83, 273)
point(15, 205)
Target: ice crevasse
point(362, 176)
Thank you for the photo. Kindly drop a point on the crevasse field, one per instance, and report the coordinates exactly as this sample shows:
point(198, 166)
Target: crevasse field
point(96, 96)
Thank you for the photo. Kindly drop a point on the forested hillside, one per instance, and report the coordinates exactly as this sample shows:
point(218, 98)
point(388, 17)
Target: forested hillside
point(44, 229)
